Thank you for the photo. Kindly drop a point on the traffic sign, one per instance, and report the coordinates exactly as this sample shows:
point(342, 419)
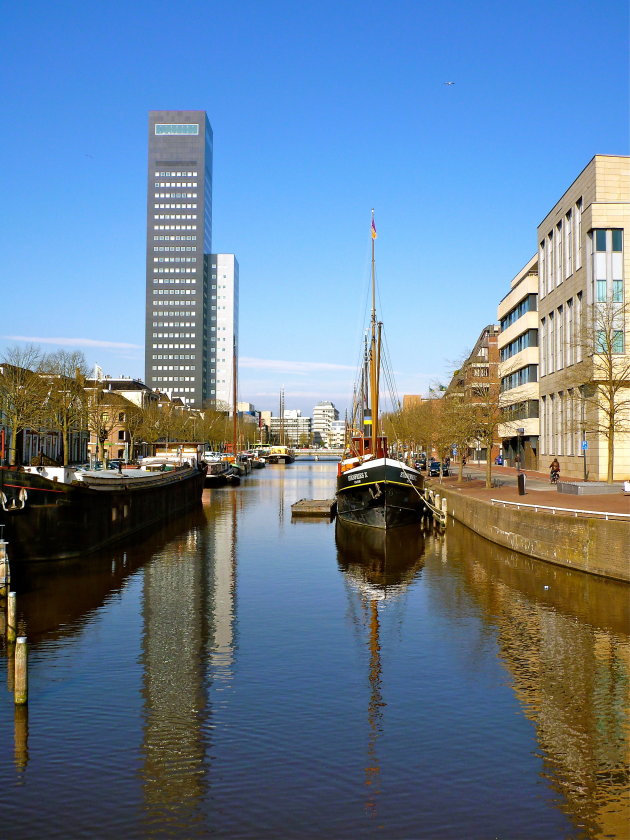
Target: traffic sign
point(584, 444)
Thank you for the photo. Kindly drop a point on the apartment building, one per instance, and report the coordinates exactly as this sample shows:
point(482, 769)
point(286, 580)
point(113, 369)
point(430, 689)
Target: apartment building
point(584, 270)
point(517, 344)
point(292, 429)
point(324, 413)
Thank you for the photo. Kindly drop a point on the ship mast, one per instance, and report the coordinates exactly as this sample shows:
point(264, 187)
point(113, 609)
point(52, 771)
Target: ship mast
point(374, 360)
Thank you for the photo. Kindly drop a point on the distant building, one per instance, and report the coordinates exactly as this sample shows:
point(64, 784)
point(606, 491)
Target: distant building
point(337, 434)
point(324, 414)
point(293, 430)
point(179, 235)
point(477, 381)
point(191, 293)
point(223, 346)
point(411, 400)
point(518, 368)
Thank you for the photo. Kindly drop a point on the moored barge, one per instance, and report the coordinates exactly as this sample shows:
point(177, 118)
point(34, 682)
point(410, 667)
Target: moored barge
point(51, 513)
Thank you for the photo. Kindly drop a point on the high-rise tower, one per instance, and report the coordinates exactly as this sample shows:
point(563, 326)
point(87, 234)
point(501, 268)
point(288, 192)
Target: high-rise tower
point(179, 318)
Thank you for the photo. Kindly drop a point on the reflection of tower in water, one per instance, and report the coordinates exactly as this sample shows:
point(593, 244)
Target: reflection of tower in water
point(188, 613)
point(378, 566)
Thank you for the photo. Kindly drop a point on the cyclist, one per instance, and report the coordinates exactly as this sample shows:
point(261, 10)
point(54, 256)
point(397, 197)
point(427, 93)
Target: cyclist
point(554, 468)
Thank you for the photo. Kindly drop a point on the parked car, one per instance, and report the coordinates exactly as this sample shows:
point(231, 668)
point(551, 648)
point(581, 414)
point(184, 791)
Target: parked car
point(434, 468)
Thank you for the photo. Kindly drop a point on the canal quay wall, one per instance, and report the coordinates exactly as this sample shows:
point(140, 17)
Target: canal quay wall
point(589, 544)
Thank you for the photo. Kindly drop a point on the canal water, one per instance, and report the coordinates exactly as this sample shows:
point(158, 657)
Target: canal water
point(239, 674)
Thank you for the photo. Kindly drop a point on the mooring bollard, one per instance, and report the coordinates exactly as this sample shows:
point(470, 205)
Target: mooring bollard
point(21, 671)
point(11, 617)
point(445, 506)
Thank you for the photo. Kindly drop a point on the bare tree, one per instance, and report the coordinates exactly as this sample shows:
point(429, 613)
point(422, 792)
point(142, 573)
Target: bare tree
point(66, 372)
point(460, 424)
point(603, 374)
point(22, 392)
point(101, 419)
point(133, 424)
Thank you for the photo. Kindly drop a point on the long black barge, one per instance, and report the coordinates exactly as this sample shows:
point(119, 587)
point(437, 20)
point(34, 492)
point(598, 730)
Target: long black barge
point(51, 513)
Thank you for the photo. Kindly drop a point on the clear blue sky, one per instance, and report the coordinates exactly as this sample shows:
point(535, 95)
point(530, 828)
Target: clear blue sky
point(320, 112)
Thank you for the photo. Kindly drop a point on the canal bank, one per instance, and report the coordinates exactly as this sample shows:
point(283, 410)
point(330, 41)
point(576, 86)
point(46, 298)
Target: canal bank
point(567, 530)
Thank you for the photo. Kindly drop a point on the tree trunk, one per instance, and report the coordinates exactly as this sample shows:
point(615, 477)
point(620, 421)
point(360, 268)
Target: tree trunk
point(611, 451)
point(13, 448)
point(65, 439)
point(489, 465)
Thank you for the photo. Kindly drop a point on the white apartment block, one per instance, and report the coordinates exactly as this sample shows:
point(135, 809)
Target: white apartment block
point(223, 304)
point(584, 268)
point(518, 368)
point(337, 434)
point(324, 414)
point(292, 430)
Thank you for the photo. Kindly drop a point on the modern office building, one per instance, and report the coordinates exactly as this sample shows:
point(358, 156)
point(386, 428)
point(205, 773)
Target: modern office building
point(584, 268)
point(292, 429)
point(223, 339)
point(323, 415)
point(518, 368)
point(182, 326)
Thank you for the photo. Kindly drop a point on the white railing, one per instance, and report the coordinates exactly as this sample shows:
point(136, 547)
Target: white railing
point(605, 513)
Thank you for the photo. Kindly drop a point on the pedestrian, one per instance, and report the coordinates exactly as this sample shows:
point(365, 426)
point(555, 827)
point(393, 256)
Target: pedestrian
point(517, 462)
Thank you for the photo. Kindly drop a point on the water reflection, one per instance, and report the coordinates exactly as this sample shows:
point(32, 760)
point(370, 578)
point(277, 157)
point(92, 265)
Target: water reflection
point(208, 672)
point(563, 636)
point(187, 643)
point(378, 565)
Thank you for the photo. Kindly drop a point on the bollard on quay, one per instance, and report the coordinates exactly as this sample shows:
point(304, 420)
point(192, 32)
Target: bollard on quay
point(11, 617)
point(21, 671)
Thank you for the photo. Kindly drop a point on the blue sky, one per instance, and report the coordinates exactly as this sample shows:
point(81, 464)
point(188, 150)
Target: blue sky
point(320, 112)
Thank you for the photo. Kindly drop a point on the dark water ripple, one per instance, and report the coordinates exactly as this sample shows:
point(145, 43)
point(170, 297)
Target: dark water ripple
point(238, 674)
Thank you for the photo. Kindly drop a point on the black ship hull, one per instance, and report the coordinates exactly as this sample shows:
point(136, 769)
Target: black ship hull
point(50, 520)
point(380, 494)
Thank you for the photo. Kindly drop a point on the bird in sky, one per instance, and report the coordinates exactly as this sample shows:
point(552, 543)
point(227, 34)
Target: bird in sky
point(449, 83)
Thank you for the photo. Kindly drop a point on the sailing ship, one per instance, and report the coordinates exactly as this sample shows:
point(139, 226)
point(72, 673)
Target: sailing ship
point(373, 489)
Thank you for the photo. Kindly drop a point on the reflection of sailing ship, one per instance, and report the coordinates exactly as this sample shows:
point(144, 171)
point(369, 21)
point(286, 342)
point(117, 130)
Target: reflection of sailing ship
point(380, 565)
point(378, 561)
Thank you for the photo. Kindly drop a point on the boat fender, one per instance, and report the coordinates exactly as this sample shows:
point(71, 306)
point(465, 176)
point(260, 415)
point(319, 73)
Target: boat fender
point(14, 504)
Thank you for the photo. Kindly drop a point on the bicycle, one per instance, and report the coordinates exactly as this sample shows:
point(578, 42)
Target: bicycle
point(555, 476)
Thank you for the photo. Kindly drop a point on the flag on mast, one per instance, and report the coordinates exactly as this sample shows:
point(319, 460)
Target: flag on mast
point(373, 229)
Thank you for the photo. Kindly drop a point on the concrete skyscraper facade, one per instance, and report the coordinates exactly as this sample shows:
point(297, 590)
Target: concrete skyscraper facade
point(181, 274)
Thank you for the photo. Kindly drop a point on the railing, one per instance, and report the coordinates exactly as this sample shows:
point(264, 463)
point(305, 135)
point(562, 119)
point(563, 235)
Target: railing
point(605, 513)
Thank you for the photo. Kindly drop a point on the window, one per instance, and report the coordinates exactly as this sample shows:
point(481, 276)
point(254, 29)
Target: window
point(601, 291)
point(600, 240)
point(617, 294)
point(568, 258)
point(617, 239)
point(617, 341)
point(578, 233)
point(528, 304)
point(162, 128)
